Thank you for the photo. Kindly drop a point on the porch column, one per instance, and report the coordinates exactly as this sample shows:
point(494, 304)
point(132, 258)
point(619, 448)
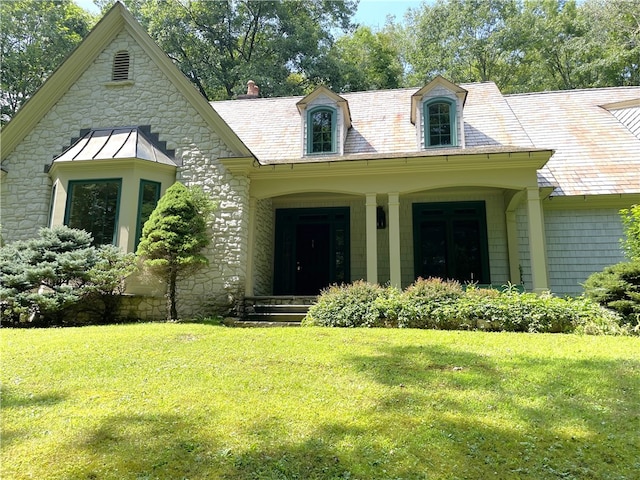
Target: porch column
point(512, 247)
point(537, 250)
point(248, 285)
point(372, 238)
point(394, 240)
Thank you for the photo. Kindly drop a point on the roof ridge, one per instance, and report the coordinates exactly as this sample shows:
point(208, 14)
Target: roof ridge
point(573, 90)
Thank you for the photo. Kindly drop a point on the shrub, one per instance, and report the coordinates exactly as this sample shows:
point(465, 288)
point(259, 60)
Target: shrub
point(631, 221)
point(434, 303)
point(427, 304)
point(52, 279)
point(618, 287)
point(352, 305)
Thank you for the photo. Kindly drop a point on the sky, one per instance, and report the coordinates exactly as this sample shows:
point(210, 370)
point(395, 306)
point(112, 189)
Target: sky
point(372, 13)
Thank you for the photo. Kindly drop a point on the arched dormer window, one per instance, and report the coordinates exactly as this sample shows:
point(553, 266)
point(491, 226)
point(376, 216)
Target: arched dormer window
point(440, 123)
point(121, 63)
point(321, 130)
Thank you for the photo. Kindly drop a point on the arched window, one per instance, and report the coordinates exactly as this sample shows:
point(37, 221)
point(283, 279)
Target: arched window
point(321, 130)
point(121, 62)
point(440, 123)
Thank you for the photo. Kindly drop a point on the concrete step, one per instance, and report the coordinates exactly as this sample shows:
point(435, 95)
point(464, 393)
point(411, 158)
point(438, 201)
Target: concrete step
point(276, 316)
point(263, 323)
point(278, 309)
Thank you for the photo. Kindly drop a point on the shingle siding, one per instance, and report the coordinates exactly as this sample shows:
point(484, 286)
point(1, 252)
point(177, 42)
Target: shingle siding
point(580, 242)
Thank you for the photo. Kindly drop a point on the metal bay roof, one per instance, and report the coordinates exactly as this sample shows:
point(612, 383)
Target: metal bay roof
point(115, 143)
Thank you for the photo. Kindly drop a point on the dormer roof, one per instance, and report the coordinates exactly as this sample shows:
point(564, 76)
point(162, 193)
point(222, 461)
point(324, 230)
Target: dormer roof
point(341, 102)
point(439, 81)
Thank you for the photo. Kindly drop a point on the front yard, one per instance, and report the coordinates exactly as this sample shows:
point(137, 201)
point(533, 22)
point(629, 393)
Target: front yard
point(174, 401)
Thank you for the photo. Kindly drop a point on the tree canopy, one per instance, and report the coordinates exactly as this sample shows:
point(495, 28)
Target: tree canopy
point(290, 47)
point(35, 37)
point(525, 46)
point(221, 45)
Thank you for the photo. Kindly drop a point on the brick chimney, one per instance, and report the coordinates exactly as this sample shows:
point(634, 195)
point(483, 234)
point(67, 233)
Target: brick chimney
point(253, 91)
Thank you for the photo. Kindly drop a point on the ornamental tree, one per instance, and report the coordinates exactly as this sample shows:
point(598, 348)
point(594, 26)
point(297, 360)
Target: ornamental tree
point(174, 236)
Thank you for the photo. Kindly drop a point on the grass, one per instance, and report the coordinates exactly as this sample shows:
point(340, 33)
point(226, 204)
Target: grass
point(188, 401)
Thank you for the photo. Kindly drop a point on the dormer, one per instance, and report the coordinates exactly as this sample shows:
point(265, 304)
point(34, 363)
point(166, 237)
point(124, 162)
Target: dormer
point(436, 111)
point(325, 121)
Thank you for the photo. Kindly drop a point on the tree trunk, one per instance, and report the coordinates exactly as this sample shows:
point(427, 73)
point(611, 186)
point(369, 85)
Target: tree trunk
point(171, 295)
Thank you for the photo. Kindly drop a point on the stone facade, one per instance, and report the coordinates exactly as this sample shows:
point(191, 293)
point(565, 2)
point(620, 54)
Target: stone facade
point(148, 98)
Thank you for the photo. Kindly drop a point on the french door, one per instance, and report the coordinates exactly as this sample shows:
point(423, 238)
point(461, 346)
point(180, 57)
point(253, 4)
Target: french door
point(450, 241)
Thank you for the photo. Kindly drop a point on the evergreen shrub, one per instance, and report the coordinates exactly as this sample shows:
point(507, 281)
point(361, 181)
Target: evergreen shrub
point(617, 287)
point(60, 278)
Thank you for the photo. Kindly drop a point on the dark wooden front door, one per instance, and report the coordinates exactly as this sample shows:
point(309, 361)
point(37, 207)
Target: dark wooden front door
point(312, 249)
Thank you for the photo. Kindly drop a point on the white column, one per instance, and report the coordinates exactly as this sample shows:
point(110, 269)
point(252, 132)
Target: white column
point(513, 247)
point(248, 285)
point(372, 238)
point(394, 240)
point(537, 249)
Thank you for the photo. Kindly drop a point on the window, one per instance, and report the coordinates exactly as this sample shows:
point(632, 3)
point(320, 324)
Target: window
point(120, 66)
point(92, 205)
point(450, 241)
point(439, 123)
point(147, 201)
point(321, 131)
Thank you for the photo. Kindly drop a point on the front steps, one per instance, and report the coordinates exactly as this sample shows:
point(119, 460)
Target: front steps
point(274, 311)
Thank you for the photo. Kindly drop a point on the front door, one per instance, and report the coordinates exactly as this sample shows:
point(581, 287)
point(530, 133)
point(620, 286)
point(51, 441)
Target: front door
point(312, 249)
point(450, 241)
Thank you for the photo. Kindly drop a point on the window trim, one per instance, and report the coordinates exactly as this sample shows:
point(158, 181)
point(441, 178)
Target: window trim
point(139, 225)
point(67, 208)
point(453, 115)
point(334, 129)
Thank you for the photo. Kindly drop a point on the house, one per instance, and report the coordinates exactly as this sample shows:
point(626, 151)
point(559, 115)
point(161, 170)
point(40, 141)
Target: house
point(457, 181)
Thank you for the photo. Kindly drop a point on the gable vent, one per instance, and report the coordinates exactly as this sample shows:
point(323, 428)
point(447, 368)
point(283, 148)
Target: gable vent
point(120, 66)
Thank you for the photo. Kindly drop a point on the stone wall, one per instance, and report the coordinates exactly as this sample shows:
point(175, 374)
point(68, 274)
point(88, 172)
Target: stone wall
point(149, 99)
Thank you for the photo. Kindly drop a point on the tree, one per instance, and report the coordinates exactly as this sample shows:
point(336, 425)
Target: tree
point(45, 278)
point(615, 34)
point(631, 222)
point(35, 37)
point(174, 236)
point(464, 40)
point(221, 45)
point(366, 60)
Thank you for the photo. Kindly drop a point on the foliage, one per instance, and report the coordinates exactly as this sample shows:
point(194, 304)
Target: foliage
point(466, 41)
point(425, 303)
point(618, 287)
point(525, 46)
point(221, 45)
point(444, 305)
point(631, 221)
point(35, 37)
point(174, 236)
point(352, 305)
point(366, 60)
point(171, 401)
point(47, 280)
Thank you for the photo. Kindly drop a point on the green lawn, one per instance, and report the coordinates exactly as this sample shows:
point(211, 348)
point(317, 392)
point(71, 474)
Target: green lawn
point(189, 401)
